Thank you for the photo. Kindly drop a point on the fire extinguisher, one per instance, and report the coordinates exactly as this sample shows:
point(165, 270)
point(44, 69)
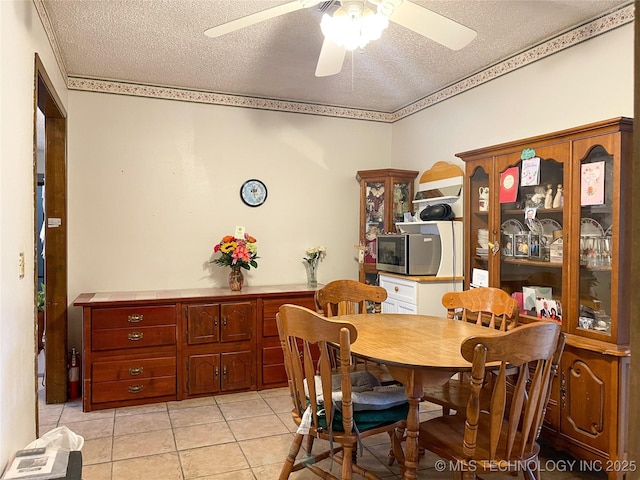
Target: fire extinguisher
point(74, 375)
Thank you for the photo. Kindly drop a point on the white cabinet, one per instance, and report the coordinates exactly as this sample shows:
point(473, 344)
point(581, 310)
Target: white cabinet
point(417, 294)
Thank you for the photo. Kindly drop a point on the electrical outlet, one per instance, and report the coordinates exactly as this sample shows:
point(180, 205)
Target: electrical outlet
point(21, 265)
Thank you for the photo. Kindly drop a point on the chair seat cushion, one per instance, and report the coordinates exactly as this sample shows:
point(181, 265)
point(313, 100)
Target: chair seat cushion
point(374, 405)
point(368, 419)
point(366, 392)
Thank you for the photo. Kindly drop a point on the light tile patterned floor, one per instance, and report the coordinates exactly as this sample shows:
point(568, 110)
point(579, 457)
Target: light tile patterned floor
point(243, 436)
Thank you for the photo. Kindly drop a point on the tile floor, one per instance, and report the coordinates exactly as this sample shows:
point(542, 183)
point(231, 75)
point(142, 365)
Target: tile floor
point(243, 436)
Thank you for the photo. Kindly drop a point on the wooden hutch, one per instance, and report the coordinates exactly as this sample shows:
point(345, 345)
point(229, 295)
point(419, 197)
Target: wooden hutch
point(574, 247)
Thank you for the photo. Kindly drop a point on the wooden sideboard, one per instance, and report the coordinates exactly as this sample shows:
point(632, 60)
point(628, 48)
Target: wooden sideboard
point(155, 346)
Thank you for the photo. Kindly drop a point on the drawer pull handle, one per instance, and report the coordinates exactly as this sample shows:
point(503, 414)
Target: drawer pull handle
point(136, 371)
point(135, 336)
point(135, 318)
point(396, 289)
point(135, 388)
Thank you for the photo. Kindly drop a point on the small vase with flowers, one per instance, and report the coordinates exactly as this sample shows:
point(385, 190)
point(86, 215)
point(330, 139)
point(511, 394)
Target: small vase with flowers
point(238, 253)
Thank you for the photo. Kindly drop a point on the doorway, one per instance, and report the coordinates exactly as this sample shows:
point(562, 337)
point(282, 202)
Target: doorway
point(50, 137)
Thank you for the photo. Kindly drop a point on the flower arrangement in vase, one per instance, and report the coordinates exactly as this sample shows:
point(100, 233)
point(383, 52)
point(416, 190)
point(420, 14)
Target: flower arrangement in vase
point(237, 253)
point(312, 256)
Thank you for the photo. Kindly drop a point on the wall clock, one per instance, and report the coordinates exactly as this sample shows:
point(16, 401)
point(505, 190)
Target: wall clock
point(253, 192)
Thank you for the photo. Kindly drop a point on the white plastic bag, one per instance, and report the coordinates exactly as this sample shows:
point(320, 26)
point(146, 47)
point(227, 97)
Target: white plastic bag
point(60, 438)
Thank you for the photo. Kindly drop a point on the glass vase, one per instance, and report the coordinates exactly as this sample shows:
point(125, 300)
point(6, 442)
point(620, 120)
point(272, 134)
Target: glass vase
point(312, 274)
point(236, 279)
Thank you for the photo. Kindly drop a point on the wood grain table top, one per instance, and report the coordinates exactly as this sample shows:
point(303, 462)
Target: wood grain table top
point(415, 341)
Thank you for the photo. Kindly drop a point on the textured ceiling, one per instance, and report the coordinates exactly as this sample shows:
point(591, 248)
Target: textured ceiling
point(161, 43)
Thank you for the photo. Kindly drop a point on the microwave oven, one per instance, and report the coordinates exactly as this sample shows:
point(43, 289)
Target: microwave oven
point(409, 253)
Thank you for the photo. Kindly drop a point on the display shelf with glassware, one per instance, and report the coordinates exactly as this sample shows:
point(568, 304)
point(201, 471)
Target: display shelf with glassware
point(545, 222)
point(385, 198)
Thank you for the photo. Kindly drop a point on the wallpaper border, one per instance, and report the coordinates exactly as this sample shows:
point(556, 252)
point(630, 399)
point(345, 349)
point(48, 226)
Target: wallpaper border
point(606, 23)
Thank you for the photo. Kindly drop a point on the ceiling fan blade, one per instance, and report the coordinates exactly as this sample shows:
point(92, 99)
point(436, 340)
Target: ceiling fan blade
point(331, 59)
point(432, 25)
point(258, 17)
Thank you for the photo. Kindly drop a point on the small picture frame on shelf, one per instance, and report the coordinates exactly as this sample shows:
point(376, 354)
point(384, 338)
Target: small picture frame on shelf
point(521, 245)
point(507, 245)
point(535, 249)
point(548, 308)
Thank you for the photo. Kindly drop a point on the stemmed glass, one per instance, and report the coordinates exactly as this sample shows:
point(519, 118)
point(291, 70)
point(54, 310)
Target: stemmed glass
point(588, 250)
point(606, 250)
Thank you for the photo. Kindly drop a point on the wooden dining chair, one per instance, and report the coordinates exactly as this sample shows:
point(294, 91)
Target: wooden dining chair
point(325, 405)
point(349, 297)
point(487, 306)
point(503, 437)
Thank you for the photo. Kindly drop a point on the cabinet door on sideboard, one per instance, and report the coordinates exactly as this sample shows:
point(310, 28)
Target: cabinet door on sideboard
point(219, 372)
point(220, 347)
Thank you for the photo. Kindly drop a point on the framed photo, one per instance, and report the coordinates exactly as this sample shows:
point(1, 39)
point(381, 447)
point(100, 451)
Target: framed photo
point(535, 249)
point(507, 245)
point(521, 245)
point(549, 309)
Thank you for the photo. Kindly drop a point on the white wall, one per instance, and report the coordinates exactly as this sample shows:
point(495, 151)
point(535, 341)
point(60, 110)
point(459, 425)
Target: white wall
point(154, 184)
point(589, 82)
point(21, 36)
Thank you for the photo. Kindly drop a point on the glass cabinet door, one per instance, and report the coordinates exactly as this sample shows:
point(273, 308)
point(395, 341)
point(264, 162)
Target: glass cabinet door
point(595, 235)
point(402, 199)
point(530, 224)
point(478, 269)
point(374, 217)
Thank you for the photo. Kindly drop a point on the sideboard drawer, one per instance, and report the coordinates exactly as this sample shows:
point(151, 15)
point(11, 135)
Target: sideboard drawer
point(272, 355)
point(399, 289)
point(112, 371)
point(272, 306)
point(133, 389)
point(123, 317)
point(133, 337)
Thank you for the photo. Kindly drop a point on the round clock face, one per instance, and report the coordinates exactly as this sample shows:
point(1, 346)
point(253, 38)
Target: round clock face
point(253, 192)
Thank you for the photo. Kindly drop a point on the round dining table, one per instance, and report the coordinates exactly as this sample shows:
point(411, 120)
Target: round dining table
point(418, 350)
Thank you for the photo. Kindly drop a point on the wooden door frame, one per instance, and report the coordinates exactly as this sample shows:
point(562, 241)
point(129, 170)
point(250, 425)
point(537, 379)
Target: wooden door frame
point(48, 102)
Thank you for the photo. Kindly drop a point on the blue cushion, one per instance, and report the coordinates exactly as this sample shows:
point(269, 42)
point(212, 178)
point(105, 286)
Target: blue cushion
point(368, 419)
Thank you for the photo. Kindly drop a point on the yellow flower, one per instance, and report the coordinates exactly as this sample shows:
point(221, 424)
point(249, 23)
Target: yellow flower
point(241, 251)
point(228, 247)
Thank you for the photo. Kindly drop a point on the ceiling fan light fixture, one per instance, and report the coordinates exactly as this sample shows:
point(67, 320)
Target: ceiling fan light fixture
point(353, 25)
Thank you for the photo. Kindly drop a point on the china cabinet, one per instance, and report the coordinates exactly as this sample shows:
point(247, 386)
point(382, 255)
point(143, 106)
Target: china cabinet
point(554, 232)
point(385, 197)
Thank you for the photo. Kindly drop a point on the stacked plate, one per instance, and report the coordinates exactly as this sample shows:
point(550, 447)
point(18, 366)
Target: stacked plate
point(483, 241)
point(483, 237)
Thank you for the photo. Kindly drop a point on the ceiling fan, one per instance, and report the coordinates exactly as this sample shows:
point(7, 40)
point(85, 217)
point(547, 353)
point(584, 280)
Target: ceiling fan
point(354, 24)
